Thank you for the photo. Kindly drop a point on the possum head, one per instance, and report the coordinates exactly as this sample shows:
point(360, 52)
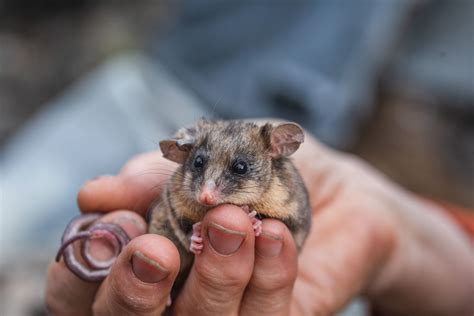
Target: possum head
point(230, 161)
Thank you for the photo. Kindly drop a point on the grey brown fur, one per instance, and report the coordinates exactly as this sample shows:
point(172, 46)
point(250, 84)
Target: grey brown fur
point(272, 186)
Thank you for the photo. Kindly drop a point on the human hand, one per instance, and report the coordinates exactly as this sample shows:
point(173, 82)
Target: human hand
point(236, 272)
point(368, 237)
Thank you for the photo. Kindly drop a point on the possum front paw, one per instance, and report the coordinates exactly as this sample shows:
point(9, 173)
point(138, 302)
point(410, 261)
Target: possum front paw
point(196, 239)
point(256, 223)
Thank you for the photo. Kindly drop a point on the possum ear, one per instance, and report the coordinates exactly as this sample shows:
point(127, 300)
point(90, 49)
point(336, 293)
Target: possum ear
point(285, 139)
point(176, 150)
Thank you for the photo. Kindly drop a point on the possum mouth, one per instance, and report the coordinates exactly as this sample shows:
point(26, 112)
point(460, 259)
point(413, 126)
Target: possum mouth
point(249, 209)
point(245, 207)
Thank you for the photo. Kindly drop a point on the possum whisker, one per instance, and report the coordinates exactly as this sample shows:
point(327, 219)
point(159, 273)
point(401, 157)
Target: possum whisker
point(214, 106)
point(162, 165)
point(157, 168)
point(154, 172)
point(158, 186)
point(154, 205)
point(146, 173)
point(154, 142)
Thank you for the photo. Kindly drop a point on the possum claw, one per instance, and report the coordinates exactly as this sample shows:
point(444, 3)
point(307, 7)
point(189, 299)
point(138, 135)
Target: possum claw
point(196, 239)
point(256, 223)
point(257, 228)
point(245, 208)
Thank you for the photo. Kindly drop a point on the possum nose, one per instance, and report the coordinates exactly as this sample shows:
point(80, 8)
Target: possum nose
point(208, 195)
point(208, 199)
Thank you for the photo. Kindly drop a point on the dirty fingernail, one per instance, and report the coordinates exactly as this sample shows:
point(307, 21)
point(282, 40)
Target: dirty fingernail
point(223, 240)
point(268, 245)
point(147, 269)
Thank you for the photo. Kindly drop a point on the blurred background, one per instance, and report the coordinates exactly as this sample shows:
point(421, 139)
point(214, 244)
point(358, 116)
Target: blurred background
point(85, 85)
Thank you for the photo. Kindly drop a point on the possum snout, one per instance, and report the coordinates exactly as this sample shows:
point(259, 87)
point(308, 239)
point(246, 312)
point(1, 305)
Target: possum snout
point(209, 194)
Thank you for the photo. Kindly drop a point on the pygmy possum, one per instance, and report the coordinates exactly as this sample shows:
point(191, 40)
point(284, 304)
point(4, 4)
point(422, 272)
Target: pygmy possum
point(220, 162)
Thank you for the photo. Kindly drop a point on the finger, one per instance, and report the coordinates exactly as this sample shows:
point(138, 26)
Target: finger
point(141, 278)
point(341, 255)
point(269, 291)
point(134, 188)
point(65, 292)
point(218, 278)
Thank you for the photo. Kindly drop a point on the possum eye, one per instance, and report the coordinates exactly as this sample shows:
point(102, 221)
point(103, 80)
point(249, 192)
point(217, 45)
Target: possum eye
point(239, 167)
point(198, 162)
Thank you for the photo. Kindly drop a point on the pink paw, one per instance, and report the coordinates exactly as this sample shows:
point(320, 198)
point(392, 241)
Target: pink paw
point(256, 223)
point(196, 239)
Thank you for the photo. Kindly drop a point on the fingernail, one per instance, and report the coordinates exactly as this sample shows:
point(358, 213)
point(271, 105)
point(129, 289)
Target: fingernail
point(146, 269)
point(268, 245)
point(223, 240)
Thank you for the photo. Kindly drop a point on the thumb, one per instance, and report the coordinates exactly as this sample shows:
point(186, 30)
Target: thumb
point(140, 280)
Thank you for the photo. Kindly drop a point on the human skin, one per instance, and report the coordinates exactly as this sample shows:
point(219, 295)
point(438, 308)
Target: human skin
point(369, 237)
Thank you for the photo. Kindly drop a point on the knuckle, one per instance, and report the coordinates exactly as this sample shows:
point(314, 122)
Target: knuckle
point(273, 282)
point(218, 279)
point(120, 299)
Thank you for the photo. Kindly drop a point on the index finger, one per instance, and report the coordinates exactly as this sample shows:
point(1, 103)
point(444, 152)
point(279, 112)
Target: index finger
point(134, 188)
